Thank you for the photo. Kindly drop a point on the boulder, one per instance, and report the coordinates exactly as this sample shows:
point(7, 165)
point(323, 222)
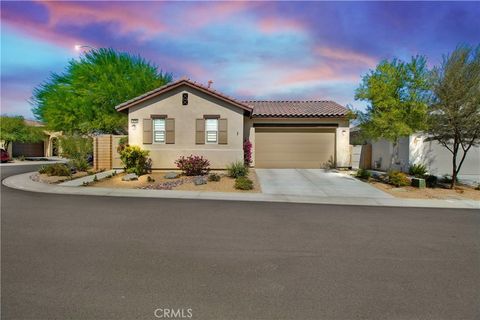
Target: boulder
point(171, 175)
point(130, 177)
point(199, 180)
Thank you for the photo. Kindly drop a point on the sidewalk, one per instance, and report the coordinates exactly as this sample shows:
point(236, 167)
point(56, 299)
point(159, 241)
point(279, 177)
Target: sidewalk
point(23, 182)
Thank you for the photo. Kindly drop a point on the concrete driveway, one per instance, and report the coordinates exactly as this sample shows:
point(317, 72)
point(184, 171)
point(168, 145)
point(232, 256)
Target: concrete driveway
point(315, 182)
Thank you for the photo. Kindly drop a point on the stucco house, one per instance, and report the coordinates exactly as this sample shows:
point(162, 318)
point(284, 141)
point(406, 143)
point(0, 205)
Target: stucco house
point(184, 117)
point(416, 148)
point(49, 147)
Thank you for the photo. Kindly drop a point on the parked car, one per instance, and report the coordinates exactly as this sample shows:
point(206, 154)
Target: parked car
point(5, 157)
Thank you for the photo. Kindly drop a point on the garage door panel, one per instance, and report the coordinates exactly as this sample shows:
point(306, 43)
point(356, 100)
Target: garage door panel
point(28, 149)
point(281, 148)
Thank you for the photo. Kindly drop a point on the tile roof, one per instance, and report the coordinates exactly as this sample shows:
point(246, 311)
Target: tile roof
point(175, 84)
point(257, 108)
point(296, 109)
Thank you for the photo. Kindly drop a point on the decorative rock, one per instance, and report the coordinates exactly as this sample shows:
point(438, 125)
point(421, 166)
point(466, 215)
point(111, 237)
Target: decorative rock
point(171, 175)
point(199, 180)
point(130, 177)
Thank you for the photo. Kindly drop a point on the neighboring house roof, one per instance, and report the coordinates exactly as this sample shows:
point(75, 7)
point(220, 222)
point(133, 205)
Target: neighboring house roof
point(296, 109)
point(173, 85)
point(34, 123)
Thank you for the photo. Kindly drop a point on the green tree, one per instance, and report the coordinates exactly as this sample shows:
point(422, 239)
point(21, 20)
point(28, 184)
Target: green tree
point(397, 93)
point(454, 114)
point(82, 99)
point(14, 129)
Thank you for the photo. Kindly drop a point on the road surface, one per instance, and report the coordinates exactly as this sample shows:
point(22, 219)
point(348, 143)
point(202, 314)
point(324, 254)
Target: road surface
point(78, 257)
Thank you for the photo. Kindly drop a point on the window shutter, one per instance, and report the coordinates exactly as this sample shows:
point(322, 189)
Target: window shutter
point(200, 131)
point(170, 131)
point(147, 131)
point(222, 131)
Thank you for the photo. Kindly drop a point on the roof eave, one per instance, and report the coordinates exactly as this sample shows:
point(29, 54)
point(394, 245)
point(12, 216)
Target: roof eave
point(135, 101)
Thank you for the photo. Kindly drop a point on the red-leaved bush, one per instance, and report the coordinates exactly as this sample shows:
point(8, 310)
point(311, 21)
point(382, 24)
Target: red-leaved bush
point(193, 165)
point(247, 152)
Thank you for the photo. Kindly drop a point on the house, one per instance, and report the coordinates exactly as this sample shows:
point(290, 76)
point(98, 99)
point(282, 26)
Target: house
point(48, 147)
point(418, 149)
point(184, 117)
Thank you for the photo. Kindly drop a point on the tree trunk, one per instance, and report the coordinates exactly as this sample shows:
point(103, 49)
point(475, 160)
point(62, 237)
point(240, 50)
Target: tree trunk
point(454, 171)
point(456, 146)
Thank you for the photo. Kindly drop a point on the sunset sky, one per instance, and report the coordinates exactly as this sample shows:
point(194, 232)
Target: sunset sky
point(251, 50)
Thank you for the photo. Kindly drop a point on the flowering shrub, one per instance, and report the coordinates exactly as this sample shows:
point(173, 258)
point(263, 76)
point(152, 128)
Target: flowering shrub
point(247, 152)
point(136, 160)
point(193, 165)
point(398, 179)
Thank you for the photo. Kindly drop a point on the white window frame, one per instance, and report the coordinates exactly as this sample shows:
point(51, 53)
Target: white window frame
point(207, 131)
point(164, 130)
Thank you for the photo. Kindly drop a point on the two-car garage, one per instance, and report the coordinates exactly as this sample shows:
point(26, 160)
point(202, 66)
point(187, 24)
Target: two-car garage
point(294, 147)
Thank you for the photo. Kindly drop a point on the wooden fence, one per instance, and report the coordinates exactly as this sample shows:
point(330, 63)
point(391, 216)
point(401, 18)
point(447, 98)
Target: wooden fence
point(361, 156)
point(105, 155)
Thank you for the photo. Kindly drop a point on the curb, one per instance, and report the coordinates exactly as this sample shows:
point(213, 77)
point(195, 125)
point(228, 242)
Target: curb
point(23, 182)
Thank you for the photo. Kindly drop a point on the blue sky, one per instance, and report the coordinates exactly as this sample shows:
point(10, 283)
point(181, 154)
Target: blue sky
point(251, 50)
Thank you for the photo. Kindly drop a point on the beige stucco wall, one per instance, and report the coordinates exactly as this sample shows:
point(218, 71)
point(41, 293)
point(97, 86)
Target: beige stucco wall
point(342, 134)
point(200, 104)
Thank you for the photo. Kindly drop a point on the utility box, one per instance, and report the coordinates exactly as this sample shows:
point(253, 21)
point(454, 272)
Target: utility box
point(418, 182)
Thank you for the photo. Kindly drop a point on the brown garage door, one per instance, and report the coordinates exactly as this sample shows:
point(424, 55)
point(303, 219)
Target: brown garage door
point(294, 148)
point(28, 149)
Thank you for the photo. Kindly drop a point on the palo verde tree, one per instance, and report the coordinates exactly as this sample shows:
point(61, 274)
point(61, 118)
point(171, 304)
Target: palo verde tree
point(14, 129)
point(397, 93)
point(82, 99)
point(454, 114)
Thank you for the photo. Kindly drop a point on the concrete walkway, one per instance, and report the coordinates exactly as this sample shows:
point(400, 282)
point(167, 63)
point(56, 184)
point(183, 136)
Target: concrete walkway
point(315, 183)
point(23, 182)
point(79, 182)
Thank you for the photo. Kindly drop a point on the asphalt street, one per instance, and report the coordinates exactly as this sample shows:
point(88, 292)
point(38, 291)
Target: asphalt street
point(79, 257)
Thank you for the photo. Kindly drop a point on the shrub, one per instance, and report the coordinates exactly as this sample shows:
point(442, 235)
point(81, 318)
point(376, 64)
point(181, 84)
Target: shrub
point(78, 149)
point(431, 181)
point(447, 178)
point(418, 170)
point(363, 174)
point(398, 179)
point(56, 169)
point(122, 144)
point(214, 177)
point(247, 152)
point(243, 183)
point(136, 160)
point(237, 169)
point(79, 164)
point(193, 165)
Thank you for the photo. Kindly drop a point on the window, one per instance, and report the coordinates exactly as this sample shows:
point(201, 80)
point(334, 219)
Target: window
point(211, 130)
point(159, 130)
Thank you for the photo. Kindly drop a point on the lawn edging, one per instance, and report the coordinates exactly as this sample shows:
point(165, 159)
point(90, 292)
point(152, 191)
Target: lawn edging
point(25, 183)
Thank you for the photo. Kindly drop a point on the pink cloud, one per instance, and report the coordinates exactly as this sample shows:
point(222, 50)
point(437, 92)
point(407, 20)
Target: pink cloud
point(129, 17)
point(277, 24)
point(346, 56)
point(204, 13)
